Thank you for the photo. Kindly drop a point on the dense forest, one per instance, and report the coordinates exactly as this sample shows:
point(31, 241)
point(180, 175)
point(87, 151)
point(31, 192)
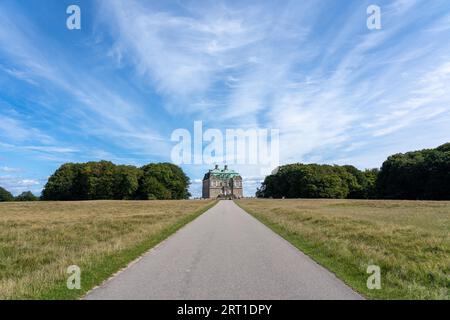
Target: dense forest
point(104, 180)
point(6, 196)
point(319, 181)
point(418, 175)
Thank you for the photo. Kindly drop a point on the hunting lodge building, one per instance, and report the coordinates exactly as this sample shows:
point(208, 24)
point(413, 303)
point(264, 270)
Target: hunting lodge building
point(225, 183)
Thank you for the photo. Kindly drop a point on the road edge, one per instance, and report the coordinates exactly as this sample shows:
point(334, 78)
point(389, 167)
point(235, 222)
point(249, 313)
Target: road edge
point(109, 266)
point(303, 250)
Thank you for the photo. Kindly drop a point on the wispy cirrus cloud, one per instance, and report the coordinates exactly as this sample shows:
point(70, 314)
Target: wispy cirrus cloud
point(257, 65)
point(9, 169)
point(16, 130)
point(182, 56)
point(91, 106)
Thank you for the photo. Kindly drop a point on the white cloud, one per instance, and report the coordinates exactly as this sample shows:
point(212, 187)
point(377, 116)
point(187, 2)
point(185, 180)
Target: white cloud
point(16, 185)
point(95, 108)
point(15, 130)
point(181, 55)
point(19, 74)
point(9, 169)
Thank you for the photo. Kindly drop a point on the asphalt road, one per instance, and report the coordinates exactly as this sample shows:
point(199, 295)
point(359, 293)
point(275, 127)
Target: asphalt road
point(224, 254)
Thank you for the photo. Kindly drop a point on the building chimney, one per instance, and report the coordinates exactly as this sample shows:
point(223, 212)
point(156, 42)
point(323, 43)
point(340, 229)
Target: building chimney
point(226, 167)
point(217, 166)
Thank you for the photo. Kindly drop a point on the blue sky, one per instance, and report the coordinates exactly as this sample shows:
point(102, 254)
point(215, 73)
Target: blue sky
point(137, 70)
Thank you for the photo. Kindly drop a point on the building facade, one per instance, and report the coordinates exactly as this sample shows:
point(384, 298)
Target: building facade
point(222, 183)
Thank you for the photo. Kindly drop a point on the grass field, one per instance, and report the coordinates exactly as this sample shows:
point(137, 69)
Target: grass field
point(39, 240)
point(408, 240)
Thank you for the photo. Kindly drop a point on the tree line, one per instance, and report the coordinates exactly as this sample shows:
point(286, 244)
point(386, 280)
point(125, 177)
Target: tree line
point(104, 180)
point(5, 196)
point(319, 181)
point(420, 175)
point(417, 175)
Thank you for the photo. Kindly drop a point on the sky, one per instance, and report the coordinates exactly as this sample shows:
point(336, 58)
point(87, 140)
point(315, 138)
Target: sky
point(338, 92)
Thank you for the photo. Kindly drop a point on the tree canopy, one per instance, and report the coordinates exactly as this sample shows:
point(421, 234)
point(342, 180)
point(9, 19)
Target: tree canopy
point(5, 195)
point(163, 181)
point(422, 175)
point(104, 180)
point(26, 196)
point(317, 181)
point(417, 175)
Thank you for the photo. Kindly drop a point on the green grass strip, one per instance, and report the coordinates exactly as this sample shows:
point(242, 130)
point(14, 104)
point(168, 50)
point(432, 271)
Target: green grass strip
point(105, 266)
point(347, 273)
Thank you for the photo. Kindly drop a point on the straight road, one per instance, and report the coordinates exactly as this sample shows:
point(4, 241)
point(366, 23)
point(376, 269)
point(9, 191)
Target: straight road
point(224, 254)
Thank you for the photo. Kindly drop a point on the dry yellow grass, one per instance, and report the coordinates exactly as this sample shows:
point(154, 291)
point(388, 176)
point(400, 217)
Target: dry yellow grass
point(409, 240)
point(39, 240)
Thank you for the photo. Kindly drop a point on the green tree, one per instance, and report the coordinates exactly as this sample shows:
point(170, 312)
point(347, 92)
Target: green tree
point(423, 174)
point(26, 196)
point(315, 181)
point(170, 176)
point(308, 181)
point(67, 183)
point(104, 180)
point(371, 176)
point(357, 186)
point(126, 182)
point(151, 189)
point(444, 148)
point(417, 175)
point(5, 195)
point(99, 178)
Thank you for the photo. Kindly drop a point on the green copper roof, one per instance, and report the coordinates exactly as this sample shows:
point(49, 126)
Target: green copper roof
point(223, 173)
